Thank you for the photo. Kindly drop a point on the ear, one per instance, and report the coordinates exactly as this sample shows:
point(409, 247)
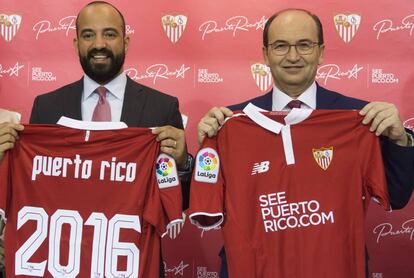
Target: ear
point(126, 43)
point(321, 51)
point(75, 45)
point(265, 55)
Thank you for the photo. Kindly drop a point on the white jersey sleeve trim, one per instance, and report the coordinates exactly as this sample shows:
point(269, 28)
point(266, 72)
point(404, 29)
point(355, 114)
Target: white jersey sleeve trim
point(203, 227)
point(85, 125)
point(3, 216)
point(376, 200)
point(171, 224)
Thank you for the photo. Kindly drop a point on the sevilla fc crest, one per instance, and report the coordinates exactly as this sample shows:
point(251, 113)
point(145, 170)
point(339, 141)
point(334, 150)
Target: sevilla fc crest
point(323, 157)
point(174, 26)
point(347, 25)
point(9, 24)
point(262, 75)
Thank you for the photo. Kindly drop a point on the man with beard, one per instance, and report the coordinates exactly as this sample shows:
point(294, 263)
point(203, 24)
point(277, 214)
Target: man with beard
point(101, 43)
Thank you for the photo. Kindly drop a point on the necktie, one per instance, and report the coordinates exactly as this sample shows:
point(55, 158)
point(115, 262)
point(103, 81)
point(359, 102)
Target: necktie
point(294, 104)
point(102, 112)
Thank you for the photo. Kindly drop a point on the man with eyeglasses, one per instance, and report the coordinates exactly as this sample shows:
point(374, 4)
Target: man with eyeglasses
point(293, 47)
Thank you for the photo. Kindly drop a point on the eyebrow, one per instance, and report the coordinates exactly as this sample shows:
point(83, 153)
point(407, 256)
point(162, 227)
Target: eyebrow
point(104, 30)
point(301, 40)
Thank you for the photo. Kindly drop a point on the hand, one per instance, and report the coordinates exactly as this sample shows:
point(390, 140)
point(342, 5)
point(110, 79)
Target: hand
point(385, 120)
point(7, 116)
point(211, 122)
point(172, 143)
point(8, 136)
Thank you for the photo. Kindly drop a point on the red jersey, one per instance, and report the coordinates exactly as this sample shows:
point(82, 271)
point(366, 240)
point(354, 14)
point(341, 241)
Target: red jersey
point(86, 203)
point(290, 192)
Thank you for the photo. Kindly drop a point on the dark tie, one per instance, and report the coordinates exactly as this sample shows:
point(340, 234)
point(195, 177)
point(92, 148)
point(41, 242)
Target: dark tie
point(102, 112)
point(294, 104)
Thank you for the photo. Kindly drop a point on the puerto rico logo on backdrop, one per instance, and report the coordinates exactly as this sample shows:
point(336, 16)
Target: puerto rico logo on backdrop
point(207, 166)
point(262, 75)
point(323, 157)
point(347, 25)
point(174, 26)
point(9, 25)
point(166, 171)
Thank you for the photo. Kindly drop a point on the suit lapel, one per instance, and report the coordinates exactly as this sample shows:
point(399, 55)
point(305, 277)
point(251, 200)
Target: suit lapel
point(264, 101)
point(72, 100)
point(134, 101)
point(324, 99)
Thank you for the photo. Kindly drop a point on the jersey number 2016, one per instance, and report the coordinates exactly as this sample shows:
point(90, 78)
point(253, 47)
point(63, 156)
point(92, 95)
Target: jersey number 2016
point(101, 240)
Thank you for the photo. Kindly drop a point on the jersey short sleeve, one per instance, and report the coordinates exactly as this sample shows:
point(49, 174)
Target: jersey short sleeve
point(206, 193)
point(165, 197)
point(374, 180)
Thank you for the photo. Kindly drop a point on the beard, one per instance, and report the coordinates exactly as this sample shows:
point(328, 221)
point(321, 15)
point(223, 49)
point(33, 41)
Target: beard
point(102, 73)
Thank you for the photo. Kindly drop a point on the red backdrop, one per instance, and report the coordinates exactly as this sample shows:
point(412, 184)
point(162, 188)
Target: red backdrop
point(208, 53)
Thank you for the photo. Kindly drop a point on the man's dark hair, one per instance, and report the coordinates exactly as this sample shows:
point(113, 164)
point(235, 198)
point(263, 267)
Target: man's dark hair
point(105, 3)
point(314, 17)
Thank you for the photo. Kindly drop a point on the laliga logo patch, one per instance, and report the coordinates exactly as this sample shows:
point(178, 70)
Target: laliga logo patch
point(9, 24)
point(166, 171)
point(323, 157)
point(174, 26)
point(262, 75)
point(207, 166)
point(347, 25)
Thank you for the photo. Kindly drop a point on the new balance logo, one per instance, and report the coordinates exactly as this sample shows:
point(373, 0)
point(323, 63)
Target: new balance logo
point(261, 167)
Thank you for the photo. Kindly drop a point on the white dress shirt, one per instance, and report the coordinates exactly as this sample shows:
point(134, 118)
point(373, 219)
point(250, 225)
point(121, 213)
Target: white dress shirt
point(115, 96)
point(280, 100)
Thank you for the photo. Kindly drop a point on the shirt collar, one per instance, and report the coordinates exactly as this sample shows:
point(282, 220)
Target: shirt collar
point(280, 99)
point(116, 86)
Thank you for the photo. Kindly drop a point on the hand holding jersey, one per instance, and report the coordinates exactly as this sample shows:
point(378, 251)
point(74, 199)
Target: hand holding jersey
point(293, 47)
point(8, 136)
point(383, 117)
point(385, 120)
point(172, 141)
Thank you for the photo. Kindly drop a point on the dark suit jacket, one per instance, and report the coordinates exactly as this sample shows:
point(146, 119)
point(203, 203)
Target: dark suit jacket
point(398, 161)
point(142, 107)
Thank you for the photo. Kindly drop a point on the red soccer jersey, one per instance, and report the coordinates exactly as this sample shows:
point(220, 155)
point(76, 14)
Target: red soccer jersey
point(86, 203)
point(291, 197)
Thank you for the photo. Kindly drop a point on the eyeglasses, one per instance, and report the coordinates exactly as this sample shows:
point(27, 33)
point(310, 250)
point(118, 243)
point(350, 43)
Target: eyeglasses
point(283, 48)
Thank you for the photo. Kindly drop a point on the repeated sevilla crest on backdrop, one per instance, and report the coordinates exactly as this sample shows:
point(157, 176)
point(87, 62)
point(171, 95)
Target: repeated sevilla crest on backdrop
point(347, 25)
point(9, 25)
point(174, 26)
point(216, 45)
point(323, 157)
point(262, 75)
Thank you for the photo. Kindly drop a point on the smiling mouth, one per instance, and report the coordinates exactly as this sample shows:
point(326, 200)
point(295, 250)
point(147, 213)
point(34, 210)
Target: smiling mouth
point(100, 59)
point(293, 68)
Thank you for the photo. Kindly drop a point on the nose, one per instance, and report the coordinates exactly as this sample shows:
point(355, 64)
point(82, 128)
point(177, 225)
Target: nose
point(99, 42)
point(292, 54)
